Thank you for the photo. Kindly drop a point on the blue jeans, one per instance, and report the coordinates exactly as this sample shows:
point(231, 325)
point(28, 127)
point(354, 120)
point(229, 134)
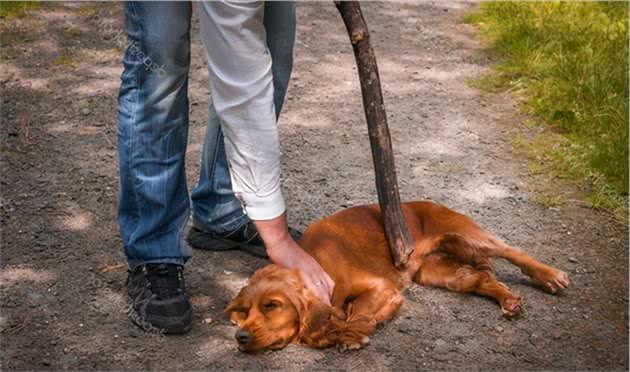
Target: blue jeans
point(153, 205)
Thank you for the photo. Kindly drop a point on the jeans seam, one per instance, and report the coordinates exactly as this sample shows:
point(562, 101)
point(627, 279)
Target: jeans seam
point(129, 130)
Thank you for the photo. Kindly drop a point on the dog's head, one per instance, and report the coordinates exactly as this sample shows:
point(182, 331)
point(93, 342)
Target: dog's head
point(275, 309)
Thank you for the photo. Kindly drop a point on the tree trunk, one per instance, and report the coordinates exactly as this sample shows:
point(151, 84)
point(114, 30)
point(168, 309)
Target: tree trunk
point(396, 230)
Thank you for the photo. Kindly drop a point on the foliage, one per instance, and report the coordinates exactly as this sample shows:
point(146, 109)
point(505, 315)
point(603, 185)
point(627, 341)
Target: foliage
point(569, 63)
point(16, 9)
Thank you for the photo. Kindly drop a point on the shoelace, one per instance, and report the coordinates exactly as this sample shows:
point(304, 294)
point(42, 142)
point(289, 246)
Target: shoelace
point(164, 281)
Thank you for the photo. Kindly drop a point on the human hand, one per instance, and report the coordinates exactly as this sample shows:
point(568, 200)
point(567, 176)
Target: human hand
point(284, 251)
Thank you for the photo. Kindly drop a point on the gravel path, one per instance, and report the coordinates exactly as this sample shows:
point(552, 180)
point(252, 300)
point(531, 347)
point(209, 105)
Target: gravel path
point(61, 274)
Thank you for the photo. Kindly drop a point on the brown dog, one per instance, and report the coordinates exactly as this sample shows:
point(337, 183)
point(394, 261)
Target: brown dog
point(451, 251)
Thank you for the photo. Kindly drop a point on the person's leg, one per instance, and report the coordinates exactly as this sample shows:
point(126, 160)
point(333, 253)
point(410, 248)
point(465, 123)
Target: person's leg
point(215, 208)
point(152, 132)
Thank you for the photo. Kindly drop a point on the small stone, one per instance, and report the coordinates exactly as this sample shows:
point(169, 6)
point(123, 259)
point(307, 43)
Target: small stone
point(403, 328)
point(85, 111)
point(80, 324)
point(441, 346)
point(499, 329)
point(207, 320)
point(573, 259)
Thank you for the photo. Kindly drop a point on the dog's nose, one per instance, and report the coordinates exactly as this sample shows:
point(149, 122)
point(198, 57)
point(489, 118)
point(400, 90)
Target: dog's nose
point(243, 337)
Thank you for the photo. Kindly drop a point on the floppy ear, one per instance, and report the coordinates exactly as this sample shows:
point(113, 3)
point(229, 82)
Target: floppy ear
point(236, 310)
point(314, 317)
point(315, 325)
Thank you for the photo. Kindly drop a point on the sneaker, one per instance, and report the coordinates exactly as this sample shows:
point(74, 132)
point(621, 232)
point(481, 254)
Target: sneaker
point(159, 301)
point(245, 238)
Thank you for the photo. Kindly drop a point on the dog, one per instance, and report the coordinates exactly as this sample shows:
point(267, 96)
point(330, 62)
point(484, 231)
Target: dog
point(450, 251)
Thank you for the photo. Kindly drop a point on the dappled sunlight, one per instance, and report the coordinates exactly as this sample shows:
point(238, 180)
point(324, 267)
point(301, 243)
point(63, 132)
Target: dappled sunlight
point(106, 79)
point(10, 276)
point(434, 148)
point(481, 193)
point(77, 221)
point(196, 147)
point(221, 342)
point(74, 128)
point(314, 117)
point(440, 75)
point(19, 79)
point(107, 301)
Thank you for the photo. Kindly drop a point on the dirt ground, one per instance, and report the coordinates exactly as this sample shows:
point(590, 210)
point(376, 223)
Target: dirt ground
point(63, 309)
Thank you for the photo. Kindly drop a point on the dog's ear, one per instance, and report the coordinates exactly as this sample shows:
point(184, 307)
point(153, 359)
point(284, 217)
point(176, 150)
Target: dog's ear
point(315, 325)
point(314, 317)
point(236, 310)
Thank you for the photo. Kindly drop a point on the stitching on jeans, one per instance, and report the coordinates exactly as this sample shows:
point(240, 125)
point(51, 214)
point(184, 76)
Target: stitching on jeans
point(133, 12)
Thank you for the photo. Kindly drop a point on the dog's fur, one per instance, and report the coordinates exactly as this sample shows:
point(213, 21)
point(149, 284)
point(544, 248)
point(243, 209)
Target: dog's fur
point(451, 251)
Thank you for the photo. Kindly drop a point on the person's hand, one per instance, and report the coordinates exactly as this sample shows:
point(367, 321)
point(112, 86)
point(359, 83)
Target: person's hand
point(284, 251)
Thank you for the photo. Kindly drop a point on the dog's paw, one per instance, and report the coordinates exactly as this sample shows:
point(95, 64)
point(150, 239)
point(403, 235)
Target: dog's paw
point(352, 343)
point(511, 307)
point(552, 280)
point(354, 335)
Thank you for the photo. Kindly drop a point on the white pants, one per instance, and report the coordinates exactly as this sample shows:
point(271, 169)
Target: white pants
point(241, 82)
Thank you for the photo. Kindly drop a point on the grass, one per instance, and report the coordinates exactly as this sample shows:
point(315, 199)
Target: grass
point(568, 64)
point(16, 9)
point(66, 61)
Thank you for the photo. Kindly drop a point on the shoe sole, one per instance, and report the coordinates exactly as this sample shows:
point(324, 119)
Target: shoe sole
point(162, 325)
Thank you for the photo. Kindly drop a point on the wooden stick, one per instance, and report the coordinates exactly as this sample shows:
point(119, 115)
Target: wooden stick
point(396, 230)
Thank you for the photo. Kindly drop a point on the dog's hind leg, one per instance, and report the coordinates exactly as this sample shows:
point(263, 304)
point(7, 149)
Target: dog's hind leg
point(441, 270)
point(483, 246)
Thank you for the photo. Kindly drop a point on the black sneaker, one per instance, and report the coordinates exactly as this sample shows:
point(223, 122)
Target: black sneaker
point(159, 300)
point(245, 238)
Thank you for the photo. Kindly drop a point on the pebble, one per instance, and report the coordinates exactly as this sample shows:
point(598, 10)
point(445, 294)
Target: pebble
point(441, 346)
point(85, 111)
point(573, 259)
point(403, 328)
point(207, 320)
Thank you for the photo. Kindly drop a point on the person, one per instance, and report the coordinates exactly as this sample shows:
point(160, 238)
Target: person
point(237, 203)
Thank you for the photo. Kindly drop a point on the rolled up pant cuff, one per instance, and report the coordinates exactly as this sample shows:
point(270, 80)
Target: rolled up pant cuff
point(265, 207)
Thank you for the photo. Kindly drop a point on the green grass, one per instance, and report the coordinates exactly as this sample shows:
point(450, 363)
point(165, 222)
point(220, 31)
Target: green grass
point(66, 61)
point(16, 9)
point(568, 63)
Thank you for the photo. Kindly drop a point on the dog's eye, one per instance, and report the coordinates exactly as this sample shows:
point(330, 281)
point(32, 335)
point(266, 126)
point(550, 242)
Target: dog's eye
point(270, 306)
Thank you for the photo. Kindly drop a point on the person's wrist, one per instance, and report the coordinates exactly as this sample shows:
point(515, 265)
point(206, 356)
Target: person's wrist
point(282, 252)
point(273, 232)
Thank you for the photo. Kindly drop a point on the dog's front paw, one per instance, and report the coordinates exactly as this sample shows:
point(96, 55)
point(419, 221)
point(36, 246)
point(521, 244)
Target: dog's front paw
point(552, 280)
point(354, 335)
point(351, 343)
